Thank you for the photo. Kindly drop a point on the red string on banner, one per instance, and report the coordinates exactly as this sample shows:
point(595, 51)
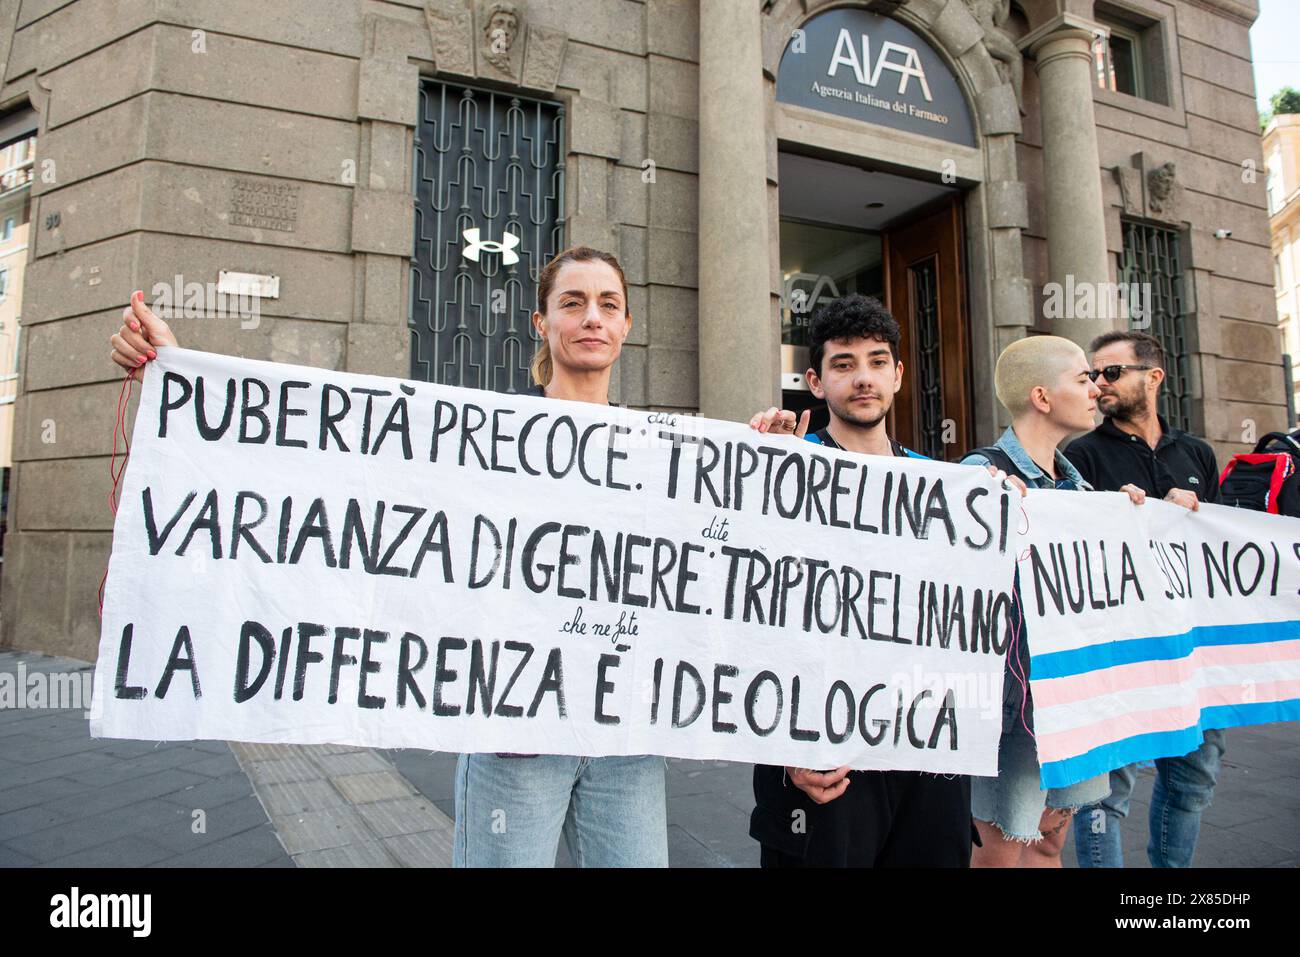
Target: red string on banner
point(114, 471)
point(1014, 651)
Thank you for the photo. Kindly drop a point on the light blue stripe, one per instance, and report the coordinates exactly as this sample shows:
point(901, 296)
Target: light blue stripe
point(1077, 661)
point(1164, 744)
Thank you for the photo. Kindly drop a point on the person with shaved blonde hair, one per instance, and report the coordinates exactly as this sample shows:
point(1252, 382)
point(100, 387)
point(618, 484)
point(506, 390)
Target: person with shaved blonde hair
point(1046, 383)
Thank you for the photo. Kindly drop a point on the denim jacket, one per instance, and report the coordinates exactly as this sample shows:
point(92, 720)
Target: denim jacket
point(1034, 476)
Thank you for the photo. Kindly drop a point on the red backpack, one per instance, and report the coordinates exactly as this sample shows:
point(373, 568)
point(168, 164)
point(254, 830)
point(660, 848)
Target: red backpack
point(1266, 480)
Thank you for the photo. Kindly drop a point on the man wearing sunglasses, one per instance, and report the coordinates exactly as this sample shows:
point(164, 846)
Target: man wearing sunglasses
point(1134, 445)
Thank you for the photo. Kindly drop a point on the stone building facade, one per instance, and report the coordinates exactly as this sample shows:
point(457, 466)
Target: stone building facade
point(388, 174)
point(1282, 156)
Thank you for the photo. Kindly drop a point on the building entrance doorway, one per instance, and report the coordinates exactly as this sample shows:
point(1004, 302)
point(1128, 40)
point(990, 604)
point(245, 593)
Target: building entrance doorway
point(845, 229)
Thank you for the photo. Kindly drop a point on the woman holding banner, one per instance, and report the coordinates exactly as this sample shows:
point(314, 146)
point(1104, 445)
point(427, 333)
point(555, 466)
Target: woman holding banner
point(511, 808)
point(1049, 388)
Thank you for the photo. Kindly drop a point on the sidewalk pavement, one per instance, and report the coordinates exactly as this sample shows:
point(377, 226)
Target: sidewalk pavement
point(70, 800)
point(67, 799)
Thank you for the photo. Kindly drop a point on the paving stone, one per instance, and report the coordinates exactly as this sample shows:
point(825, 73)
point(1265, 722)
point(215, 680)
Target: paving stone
point(209, 793)
point(73, 765)
point(368, 854)
point(29, 725)
point(115, 771)
point(282, 771)
point(1224, 847)
point(212, 747)
point(24, 715)
point(128, 748)
point(34, 659)
point(178, 834)
point(217, 766)
point(1248, 803)
point(335, 748)
point(125, 793)
point(357, 762)
point(426, 849)
point(714, 823)
point(51, 734)
point(735, 781)
point(70, 837)
point(685, 851)
point(28, 795)
point(251, 848)
point(1280, 830)
point(34, 751)
point(372, 786)
point(29, 819)
point(317, 830)
point(11, 858)
point(132, 851)
point(265, 752)
point(403, 816)
point(297, 797)
point(432, 772)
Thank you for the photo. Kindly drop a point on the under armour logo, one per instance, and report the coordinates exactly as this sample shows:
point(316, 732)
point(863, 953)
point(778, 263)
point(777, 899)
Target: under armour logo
point(506, 247)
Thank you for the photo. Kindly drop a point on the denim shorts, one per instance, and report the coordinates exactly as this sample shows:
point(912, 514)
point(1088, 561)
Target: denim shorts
point(1014, 801)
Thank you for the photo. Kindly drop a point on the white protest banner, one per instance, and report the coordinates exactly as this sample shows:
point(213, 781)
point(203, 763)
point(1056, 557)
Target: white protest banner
point(310, 556)
point(1149, 624)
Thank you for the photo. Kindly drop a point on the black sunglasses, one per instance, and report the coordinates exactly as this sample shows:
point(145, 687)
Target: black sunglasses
point(1112, 373)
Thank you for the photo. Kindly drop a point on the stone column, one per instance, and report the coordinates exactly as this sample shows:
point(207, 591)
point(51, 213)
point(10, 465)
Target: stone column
point(739, 344)
point(1076, 220)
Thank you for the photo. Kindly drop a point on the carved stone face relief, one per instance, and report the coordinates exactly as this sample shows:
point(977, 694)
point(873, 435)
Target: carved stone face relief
point(500, 29)
point(1149, 189)
point(493, 39)
point(1160, 187)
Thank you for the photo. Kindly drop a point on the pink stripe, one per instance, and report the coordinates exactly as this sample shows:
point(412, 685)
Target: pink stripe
point(1146, 674)
point(1067, 744)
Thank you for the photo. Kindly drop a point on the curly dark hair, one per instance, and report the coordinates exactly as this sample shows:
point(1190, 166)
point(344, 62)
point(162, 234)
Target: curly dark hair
point(851, 317)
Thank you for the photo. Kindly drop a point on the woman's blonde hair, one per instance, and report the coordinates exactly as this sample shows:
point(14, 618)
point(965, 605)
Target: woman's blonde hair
point(542, 368)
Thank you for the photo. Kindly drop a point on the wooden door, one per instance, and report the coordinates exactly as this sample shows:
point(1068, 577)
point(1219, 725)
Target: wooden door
point(927, 295)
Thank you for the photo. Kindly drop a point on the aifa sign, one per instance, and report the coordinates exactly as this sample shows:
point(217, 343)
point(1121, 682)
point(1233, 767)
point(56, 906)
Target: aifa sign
point(907, 67)
point(865, 66)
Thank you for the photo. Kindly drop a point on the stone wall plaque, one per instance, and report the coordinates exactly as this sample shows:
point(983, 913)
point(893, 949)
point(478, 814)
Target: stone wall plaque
point(264, 204)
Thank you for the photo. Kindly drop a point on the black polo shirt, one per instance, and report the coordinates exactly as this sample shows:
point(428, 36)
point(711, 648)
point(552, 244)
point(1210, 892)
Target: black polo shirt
point(1108, 457)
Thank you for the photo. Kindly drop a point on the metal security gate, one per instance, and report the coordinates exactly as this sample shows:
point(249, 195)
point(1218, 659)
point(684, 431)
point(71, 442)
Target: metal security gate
point(924, 277)
point(1151, 258)
point(489, 214)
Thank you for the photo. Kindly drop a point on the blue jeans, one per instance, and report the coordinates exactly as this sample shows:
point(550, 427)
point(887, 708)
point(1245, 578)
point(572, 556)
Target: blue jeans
point(511, 811)
point(1183, 790)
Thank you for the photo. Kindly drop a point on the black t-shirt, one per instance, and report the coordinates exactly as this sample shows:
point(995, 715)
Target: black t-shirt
point(824, 438)
point(1109, 458)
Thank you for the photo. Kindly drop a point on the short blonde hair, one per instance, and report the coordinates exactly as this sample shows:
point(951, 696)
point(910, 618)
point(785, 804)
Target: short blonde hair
point(1031, 362)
